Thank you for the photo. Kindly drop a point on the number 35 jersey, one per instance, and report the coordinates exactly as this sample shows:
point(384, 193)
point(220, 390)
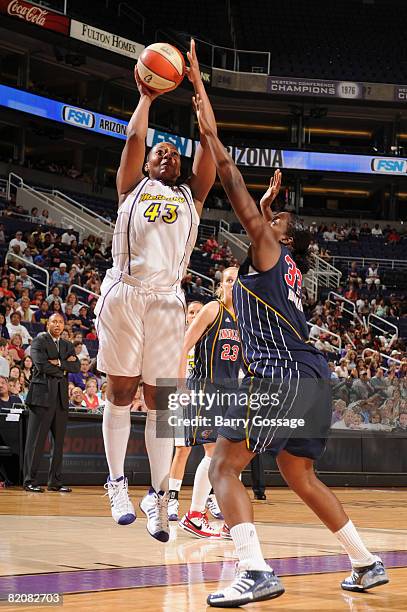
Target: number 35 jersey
point(271, 321)
point(218, 351)
point(155, 233)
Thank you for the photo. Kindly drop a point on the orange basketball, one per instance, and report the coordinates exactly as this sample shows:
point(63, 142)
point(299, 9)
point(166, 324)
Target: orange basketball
point(161, 67)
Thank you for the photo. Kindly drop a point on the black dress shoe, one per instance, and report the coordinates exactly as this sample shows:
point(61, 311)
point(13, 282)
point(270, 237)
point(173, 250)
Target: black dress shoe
point(60, 489)
point(259, 495)
point(33, 488)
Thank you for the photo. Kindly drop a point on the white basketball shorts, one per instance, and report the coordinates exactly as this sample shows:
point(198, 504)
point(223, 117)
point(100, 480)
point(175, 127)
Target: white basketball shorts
point(140, 328)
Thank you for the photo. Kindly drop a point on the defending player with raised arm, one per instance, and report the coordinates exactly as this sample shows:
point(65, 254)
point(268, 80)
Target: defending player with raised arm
point(141, 313)
point(270, 195)
point(261, 228)
point(281, 364)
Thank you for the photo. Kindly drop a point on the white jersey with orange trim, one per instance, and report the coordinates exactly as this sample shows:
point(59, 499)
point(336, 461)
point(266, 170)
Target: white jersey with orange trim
point(155, 232)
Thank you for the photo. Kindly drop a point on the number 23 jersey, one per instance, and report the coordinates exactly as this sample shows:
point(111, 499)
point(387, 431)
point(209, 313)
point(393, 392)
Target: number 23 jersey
point(155, 233)
point(218, 350)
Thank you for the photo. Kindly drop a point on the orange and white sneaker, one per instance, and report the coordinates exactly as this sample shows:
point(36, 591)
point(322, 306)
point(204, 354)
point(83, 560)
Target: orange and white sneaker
point(196, 523)
point(225, 532)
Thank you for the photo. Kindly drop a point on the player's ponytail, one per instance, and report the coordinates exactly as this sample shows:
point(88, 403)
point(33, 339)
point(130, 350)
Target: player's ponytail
point(301, 241)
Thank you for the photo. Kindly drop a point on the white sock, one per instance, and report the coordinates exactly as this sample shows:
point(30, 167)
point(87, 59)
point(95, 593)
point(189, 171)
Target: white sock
point(159, 452)
point(352, 543)
point(174, 484)
point(116, 431)
point(202, 486)
point(248, 547)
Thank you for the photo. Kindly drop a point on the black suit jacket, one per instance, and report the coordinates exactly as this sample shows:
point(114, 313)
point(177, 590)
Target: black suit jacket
point(48, 381)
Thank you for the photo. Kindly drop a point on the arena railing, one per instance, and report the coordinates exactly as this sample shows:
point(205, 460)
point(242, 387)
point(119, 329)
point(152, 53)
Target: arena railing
point(378, 323)
point(128, 12)
point(28, 264)
point(327, 274)
point(310, 282)
point(210, 291)
point(205, 231)
point(392, 264)
point(224, 58)
point(336, 349)
point(238, 247)
point(58, 209)
point(3, 188)
point(76, 288)
point(347, 306)
point(370, 350)
point(63, 196)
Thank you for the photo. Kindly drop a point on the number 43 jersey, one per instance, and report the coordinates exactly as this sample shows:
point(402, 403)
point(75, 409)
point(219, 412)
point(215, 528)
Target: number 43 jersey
point(217, 352)
point(155, 233)
point(271, 321)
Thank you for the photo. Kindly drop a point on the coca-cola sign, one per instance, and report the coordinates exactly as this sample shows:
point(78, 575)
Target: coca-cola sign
point(35, 15)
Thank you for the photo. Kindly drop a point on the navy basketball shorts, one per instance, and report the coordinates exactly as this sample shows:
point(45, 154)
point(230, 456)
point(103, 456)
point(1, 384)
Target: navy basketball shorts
point(289, 409)
point(205, 413)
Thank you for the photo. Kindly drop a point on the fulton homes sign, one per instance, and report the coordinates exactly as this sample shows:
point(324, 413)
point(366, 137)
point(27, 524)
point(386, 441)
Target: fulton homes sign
point(105, 40)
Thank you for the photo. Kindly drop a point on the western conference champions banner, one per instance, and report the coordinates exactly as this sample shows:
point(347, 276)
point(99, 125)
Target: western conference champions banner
point(252, 157)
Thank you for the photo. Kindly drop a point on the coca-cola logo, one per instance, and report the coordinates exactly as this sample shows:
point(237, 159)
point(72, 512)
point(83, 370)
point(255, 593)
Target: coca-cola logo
point(30, 13)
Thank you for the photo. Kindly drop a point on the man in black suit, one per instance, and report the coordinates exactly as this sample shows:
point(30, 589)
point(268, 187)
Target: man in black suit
point(48, 401)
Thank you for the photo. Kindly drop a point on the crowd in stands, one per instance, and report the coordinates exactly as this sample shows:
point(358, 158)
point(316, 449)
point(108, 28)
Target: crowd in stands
point(353, 233)
point(62, 168)
point(25, 306)
point(364, 365)
point(368, 365)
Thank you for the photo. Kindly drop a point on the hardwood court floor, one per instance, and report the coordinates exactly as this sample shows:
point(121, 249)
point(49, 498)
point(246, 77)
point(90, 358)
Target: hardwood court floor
point(69, 544)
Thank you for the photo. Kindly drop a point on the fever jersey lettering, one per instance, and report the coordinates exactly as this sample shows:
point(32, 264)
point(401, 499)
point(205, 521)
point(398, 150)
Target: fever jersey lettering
point(271, 321)
point(155, 233)
point(217, 352)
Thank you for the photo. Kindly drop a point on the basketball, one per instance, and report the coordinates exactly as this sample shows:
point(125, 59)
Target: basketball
point(161, 67)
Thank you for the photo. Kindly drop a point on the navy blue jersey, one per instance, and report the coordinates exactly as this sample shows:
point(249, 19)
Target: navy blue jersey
point(218, 352)
point(270, 317)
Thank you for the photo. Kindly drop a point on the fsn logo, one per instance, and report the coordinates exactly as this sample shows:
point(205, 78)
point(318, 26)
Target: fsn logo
point(389, 166)
point(78, 117)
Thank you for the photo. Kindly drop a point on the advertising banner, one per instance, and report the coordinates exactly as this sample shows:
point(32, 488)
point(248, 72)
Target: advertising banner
point(105, 40)
point(243, 156)
point(36, 15)
point(315, 88)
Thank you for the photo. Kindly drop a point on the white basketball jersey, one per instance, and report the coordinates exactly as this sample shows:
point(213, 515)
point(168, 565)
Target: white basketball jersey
point(190, 362)
point(155, 232)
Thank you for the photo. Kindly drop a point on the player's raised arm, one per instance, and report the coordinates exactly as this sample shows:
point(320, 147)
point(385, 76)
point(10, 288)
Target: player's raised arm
point(270, 195)
point(203, 169)
point(258, 229)
point(203, 319)
point(131, 162)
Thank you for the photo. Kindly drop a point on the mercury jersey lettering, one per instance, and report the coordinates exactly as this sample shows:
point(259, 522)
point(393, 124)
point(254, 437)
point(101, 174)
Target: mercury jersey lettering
point(217, 352)
point(270, 317)
point(155, 233)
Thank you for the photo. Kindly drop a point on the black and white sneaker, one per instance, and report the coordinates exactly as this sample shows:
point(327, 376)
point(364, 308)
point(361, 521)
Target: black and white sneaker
point(248, 586)
point(363, 578)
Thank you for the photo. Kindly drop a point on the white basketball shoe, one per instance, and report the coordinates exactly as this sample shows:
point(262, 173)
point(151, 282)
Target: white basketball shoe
point(122, 509)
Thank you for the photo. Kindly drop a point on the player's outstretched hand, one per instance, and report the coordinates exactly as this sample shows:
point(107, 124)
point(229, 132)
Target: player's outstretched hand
point(202, 115)
point(142, 87)
point(273, 190)
point(193, 70)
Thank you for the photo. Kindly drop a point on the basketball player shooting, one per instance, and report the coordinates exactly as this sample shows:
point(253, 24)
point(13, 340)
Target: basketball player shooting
point(141, 313)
